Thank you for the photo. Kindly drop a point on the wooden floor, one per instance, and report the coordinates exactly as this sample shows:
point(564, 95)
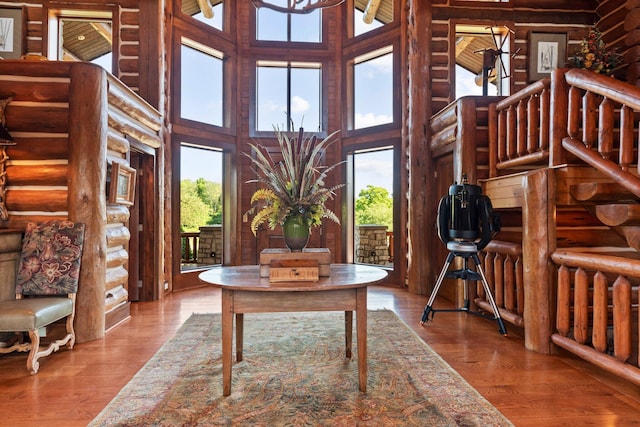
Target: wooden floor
point(529, 388)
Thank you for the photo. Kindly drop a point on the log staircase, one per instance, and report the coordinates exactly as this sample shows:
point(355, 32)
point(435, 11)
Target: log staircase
point(563, 173)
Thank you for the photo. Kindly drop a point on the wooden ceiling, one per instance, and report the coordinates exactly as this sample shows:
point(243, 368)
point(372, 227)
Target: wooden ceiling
point(86, 40)
point(385, 9)
point(470, 48)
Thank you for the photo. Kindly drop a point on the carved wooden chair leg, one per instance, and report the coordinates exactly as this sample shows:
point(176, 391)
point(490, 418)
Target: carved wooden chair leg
point(32, 360)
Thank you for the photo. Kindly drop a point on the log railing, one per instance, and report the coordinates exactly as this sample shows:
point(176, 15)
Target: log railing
point(597, 310)
point(461, 130)
point(502, 263)
point(600, 124)
point(519, 129)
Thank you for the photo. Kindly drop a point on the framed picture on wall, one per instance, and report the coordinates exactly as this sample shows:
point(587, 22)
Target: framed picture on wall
point(12, 32)
point(547, 51)
point(123, 184)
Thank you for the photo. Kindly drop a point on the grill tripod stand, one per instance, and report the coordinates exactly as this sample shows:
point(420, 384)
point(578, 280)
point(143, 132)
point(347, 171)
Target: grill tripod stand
point(464, 250)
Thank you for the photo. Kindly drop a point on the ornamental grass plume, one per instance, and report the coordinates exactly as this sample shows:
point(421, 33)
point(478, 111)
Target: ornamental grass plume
point(294, 185)
point(593, 55)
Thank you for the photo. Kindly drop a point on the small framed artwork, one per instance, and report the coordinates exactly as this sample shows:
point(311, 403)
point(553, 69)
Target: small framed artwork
point(547, 51)
point(123, 184)
point(12, 32)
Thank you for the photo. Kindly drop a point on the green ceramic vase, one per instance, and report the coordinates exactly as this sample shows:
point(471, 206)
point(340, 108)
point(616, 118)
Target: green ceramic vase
point(296, 233)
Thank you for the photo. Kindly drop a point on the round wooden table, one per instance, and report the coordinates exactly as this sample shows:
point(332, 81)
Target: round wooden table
point(244, 291)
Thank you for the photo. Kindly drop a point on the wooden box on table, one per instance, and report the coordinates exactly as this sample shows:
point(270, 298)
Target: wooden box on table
point(284, 257)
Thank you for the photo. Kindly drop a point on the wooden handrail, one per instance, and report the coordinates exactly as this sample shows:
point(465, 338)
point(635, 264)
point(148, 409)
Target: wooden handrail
point(592, 261)
point(531, 90)
point(608, 87)
point(608, 167)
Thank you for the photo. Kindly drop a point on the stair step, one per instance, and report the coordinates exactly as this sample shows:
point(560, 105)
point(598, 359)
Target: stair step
point(615, 215)
point(600, 192)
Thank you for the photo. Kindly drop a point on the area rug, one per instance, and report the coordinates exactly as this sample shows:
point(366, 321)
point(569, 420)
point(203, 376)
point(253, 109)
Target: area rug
point(294, 373)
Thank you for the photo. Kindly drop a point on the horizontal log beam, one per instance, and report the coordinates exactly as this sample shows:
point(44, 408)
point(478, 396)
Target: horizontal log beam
point(37, 200)
point(45, 174)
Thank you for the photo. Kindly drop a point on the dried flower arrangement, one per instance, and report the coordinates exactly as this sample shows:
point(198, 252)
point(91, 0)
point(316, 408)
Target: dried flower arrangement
point(593, 55)
point(295, 185)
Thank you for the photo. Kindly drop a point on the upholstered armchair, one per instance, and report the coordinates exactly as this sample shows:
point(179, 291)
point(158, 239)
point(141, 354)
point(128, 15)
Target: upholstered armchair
point(46, 287)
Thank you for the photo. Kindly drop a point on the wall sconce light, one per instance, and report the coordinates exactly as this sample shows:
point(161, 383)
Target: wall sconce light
point(298, 6)
point(5, 140)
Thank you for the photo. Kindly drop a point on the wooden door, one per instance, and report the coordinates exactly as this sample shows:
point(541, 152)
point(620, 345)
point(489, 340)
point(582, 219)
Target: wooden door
point(142, 280)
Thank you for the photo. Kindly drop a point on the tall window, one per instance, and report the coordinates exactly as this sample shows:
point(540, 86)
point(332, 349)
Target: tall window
point(200, 206)
point(201, 87)
point(288, 27)
point(373, 176)
point(288, 95)
point(209, 12)
point(373, 88)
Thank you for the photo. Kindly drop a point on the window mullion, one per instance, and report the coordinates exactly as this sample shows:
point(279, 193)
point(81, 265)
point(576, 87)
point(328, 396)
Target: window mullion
point(289, 127)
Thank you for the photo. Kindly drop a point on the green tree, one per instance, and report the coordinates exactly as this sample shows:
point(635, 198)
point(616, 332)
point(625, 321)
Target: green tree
point(374, 205)
point(193, 211)
point(211, 195)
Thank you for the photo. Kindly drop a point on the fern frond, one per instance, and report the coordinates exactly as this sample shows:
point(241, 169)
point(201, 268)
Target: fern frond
point(261, 216)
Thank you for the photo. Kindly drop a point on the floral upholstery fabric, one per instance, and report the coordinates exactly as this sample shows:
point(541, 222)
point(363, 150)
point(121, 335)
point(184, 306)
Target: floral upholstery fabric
point(50, 260)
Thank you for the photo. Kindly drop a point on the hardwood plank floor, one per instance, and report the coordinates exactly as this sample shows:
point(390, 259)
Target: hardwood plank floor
point(529, 388)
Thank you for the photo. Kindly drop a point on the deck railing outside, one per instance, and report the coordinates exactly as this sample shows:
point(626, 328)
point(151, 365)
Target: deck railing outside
point(189, 245)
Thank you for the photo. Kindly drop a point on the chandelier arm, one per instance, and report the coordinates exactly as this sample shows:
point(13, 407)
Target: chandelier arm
point(292, 8)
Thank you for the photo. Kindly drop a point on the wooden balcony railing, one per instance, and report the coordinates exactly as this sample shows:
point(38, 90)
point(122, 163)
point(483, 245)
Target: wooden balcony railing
point(519, 129)
point(600, 127)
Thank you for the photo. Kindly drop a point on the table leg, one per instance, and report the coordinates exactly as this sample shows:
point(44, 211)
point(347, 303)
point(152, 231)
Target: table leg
point(361, 330)
point(239, 336)
point(227, 340)
point(348, 332)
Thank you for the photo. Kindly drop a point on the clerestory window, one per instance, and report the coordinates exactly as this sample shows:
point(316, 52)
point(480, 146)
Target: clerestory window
point(201, 84)
point(209, 12)
point(273, 25)
point(288, 95)
point(373, 88)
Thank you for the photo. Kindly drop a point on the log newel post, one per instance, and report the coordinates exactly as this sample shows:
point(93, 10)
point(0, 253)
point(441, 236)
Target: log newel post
point(538, 234)
point(88, 130)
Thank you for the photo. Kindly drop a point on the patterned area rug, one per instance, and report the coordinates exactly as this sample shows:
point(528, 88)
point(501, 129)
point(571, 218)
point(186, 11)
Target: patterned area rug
point(295, 373)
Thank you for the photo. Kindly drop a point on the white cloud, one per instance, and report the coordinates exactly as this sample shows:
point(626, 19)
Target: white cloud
point(371, 119)
point(299, 105)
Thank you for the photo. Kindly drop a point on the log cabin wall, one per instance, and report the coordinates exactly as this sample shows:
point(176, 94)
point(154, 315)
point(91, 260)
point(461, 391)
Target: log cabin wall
point(71, 121)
